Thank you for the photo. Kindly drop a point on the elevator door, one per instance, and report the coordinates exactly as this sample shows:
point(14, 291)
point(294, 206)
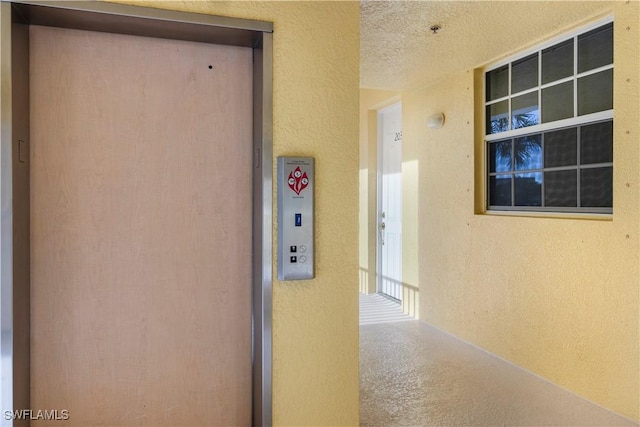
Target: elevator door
point(141, 230)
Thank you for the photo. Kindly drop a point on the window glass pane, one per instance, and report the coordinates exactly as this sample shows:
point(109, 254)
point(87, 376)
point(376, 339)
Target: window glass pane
point(596, 143)
point(557, 62)
point(561, 188)
point(524, 73)
point(500, 156)
point(596, 187)
point(560, 148)
point(595, 48)
point(497, 117)
point(497, 83)
point(525, 111)
point(527, 153)
point(563, 168)
point(557, 102)
point(595, 93)
point(500, 190)
point(528, 189)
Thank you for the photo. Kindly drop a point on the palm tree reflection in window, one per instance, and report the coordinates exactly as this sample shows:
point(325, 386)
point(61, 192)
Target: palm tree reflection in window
point(527, 152)
point(499, 124)
point(522, 155)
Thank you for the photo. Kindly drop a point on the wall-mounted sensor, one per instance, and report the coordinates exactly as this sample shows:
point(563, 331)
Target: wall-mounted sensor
point(436, 121)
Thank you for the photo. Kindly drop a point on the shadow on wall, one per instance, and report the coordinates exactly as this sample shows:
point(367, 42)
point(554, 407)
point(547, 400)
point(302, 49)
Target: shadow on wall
point(410, 294)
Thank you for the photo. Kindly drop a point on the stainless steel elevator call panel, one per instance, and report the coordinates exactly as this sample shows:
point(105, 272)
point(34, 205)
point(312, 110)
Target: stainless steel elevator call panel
point(295, 218)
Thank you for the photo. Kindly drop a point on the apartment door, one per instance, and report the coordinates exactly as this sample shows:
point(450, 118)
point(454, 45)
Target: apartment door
point(141, 229)
point(390, 202)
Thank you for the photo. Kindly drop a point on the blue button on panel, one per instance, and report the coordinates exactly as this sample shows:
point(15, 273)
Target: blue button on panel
point(298, 220)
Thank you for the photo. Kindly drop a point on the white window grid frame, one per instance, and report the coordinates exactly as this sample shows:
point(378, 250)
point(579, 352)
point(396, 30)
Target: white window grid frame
point(542, 128)
point(578, 166)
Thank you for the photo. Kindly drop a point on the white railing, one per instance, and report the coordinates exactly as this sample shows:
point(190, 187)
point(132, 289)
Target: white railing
point(406, 294)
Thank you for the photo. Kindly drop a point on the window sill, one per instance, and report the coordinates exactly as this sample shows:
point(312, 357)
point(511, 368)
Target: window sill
point(551, 215)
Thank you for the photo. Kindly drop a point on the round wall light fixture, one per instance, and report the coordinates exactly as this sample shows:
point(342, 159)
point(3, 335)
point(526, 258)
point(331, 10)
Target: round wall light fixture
point(436, 121)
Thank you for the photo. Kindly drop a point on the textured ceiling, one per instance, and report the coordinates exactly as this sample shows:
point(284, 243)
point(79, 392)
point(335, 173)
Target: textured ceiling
point(398, 51)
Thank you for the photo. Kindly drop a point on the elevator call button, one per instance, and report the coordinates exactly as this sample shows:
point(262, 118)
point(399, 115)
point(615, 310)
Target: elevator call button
point(295, 233)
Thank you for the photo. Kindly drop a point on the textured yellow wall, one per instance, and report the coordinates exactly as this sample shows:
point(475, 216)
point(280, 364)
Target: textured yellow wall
point(315, 108)
point(557, 296)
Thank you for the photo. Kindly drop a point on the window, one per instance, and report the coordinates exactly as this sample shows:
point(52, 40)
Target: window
point(549, 127)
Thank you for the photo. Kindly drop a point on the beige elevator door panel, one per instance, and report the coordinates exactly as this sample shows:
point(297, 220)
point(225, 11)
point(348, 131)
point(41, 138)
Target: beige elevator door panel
point(141, 230)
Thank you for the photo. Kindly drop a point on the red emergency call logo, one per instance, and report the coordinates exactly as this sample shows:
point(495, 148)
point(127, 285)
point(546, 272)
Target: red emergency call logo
point(298, 180)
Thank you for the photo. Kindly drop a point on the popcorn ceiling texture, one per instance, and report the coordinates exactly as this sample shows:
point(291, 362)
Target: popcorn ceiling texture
point(557, 296)
point(315, 109)
point(398, 51)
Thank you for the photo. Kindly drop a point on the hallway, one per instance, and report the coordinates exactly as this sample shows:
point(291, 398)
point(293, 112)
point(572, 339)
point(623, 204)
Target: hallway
point(412, 374)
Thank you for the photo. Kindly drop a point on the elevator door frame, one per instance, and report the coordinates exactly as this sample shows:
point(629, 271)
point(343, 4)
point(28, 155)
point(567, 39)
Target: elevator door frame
point(15, 18)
